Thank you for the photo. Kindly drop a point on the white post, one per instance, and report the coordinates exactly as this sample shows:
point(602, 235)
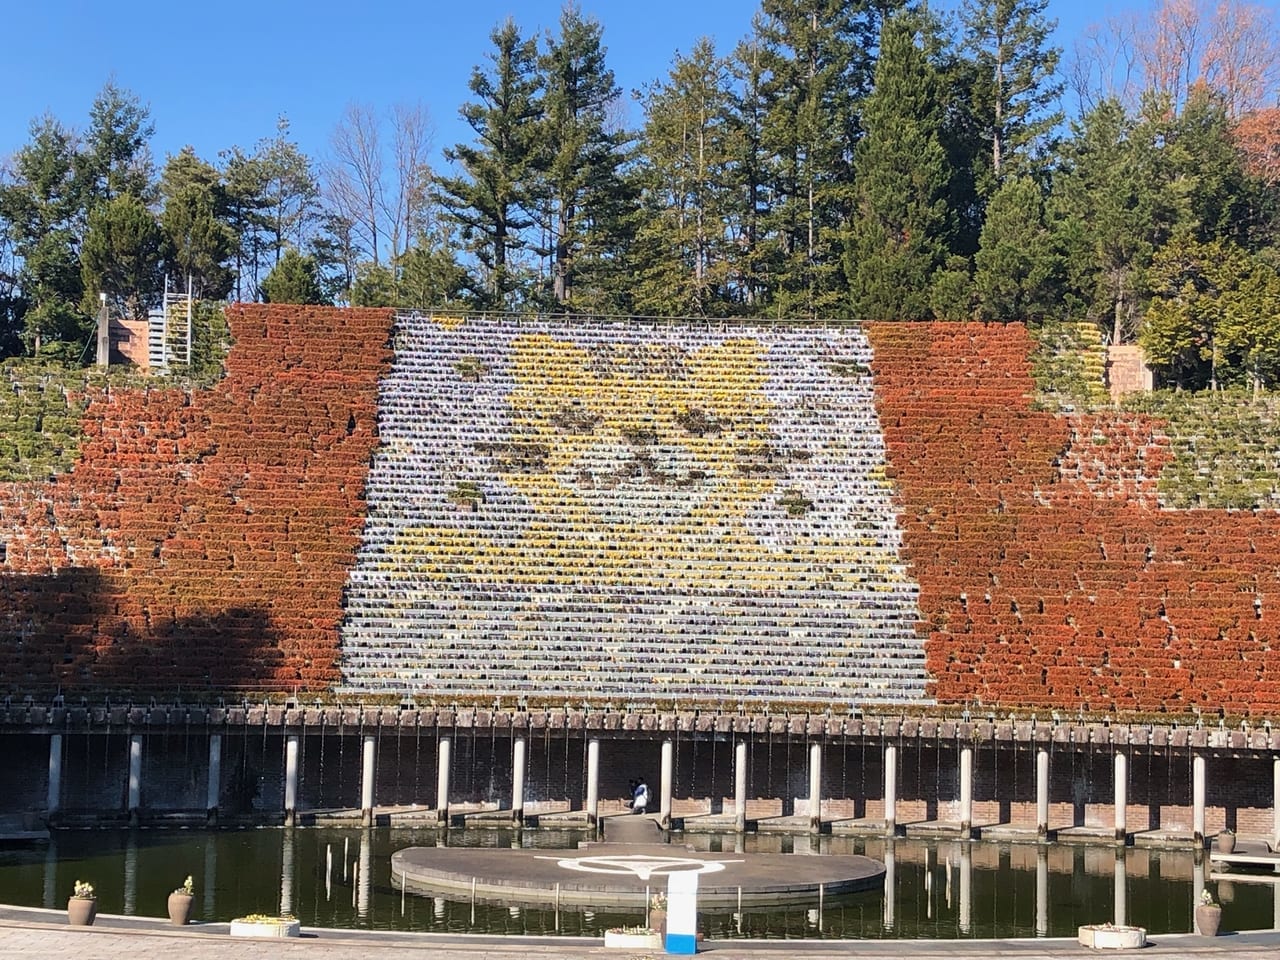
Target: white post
point(890, 883)
point(286, 872)
point(1197, 799)
point(593, 782)
point(1042, 793)
point(668, 776)
point(54, 796)
point(890, 789)
point(1042, 892)
point(517, 781)
point(1121, 883)
point(966, 792)
point(1275, 807)
point(966, 888)
point(682, 912)
point(1121, 796)
point(135, 776)
point(290, 781)
point(740, 786)
point(815, 787)
point(364, 883)
point(442, 781)
point(368, 773)
point(214, 791)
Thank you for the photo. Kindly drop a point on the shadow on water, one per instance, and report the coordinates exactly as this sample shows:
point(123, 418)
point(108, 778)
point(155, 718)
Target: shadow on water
point(340, 878)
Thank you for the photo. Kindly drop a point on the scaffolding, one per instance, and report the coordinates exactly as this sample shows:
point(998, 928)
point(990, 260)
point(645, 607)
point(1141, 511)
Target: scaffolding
point(175, 316)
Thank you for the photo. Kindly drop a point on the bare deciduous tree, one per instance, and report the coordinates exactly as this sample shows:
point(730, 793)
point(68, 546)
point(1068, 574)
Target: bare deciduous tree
point(1231, 46)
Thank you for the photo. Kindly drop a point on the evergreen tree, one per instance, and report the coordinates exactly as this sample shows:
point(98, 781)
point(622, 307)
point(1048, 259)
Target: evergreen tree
point(902, 225)
point(583, 203)
point(295, 279)
point(1107, 209)
point(198, 241)
point(1018, 264)
point(42, 206)
point(245, 183)
point(115, 159)
point(289, 202)
point(808, 55)
point(683, 250)
point(489, 201)
point(1017, 88)
point(120, 256)
point(748, 175)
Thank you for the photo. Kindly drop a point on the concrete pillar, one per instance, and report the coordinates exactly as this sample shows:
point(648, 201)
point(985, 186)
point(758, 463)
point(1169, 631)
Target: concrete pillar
point(1042, 892)
point(364, 883)
point(290, 781)
point(1121, 796)
point(1042, 793)
point(1121, 890)
point(890, 789)
point(135, 777)
point(518, 751)
point(54, 796)
point(442, 780)
point(213, 793)
point(815, 787)
point(368, 773)
point(668, 776)
point(1275, 807)
point(890, 883)
point(966, 792)
point(966, 888)
point(740, 786)
point(593, 782)
point(1197, 799)
point(286, 872)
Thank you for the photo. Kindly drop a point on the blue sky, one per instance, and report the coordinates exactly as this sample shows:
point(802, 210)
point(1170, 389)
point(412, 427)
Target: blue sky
point(217, 75)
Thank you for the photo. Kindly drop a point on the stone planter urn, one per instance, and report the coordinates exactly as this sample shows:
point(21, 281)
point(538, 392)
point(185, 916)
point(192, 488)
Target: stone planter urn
point(633, 939)
point(180, 908)
point(261, 926)
point(1208, 919)
point(81, 911)
point(1107, 936)
point(1226, 842)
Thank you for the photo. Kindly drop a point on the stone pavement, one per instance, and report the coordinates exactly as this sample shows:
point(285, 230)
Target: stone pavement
point(28, 934)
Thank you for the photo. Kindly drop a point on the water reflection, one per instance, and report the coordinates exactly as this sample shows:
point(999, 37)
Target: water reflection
point(943, 889)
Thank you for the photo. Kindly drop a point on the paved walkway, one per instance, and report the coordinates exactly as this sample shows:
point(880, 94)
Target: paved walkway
point(28, 934)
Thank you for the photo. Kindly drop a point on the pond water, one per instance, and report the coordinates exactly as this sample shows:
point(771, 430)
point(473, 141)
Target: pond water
point(341, 878)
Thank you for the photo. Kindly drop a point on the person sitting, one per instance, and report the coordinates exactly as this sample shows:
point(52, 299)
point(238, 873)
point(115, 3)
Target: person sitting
point(640, 797)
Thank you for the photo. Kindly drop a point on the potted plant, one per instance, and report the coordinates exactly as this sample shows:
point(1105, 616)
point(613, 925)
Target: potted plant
point(658, 913)
point(1226, 841)
point(82, 908)
point(180, 903)
point(1208, 916)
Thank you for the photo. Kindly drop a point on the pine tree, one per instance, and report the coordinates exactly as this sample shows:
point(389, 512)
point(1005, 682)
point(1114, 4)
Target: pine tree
point(43, 207)
point(808, 52)
point(901, 226)
point(582, 201)
point(1018, 264)
point(1017, 88)
point(295, 279)
point(115, 159)
point(198, 241)
point(489, 201)
point(120, 256)
point(688, 150)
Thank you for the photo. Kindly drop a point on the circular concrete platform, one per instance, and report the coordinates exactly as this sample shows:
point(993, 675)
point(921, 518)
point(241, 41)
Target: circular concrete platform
point(613, 874)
